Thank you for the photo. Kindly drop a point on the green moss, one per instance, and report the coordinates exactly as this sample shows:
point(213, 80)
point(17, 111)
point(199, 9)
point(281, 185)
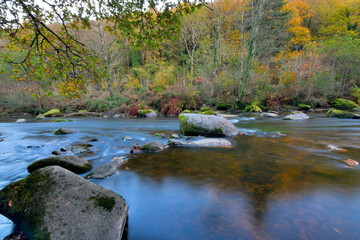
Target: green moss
point(142, 113)
point(63, 120)
point(304, 107)
point(223, 106)
point(40, 116)
point(340, 114)
point(105, 202)
point(54, 161)
point(190, 129)
point(83, 111)
point(209, 112)
point(27, 209)
point(344, 104)
point(156, 134)
point(52, 112)
point(204, 109)
point(186, 111)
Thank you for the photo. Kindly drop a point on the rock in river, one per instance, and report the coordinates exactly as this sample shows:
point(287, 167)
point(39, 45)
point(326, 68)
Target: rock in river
point(72, 163)
point(206, 125)
point(207, 142)
point(107, 169)
point(54, 203)
point(296, 115)
point(153, 147)
point(334, 113)
point(62, 131)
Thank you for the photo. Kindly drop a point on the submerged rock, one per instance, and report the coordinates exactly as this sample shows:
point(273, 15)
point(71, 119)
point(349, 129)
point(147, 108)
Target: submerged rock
point(54, 203)
point(70, 162)
point(106, 169)
point(344, 104)
point(127, 138)
point(269, 115)
point(206, 125)
point(334, 113)
point(153, 147)
point(63, 131)
point(296, 115)
point(207, 142)
point(79, 148)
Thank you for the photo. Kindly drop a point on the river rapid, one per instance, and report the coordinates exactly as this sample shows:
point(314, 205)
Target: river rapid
point(266, 186)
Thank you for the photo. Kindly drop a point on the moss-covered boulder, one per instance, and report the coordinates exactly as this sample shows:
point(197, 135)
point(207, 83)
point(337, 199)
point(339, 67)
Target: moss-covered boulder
point(72, 163)
point(335, 113)
point(153, 147)
point(344, 104)
point(52, 112)
point(206, 125)
point(54, 203)
point(106, 169)
point(303, 107)
point(63, 131)
point(296, 115)
point(146, 113)
point(40, 116)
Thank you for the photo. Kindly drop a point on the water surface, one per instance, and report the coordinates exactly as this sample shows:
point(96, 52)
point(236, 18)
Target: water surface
point(265, 187)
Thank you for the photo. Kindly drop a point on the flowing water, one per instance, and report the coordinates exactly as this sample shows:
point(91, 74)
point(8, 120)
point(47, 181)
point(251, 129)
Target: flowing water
point(264, 187)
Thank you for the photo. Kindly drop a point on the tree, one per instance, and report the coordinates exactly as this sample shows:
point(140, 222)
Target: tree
point(46, 26)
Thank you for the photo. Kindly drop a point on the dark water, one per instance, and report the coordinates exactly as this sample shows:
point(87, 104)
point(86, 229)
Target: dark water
point(265, 187)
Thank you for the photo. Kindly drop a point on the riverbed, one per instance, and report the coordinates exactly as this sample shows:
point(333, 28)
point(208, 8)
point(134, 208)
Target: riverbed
point(280, 180)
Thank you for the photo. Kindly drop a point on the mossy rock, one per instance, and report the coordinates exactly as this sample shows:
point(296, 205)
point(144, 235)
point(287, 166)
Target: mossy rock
point(40, 116)
point(344, 104)
point(72, 163)
point(186, 111)
point(63, 120)
point(335, 113)
point(145, 113)
point(153, 147)
point(296, 115)
point(208, 112)
point(52, 112)
point(54, 203)
point(204, 109)
point(206, 125)
point(304, 107)
point(63, 131)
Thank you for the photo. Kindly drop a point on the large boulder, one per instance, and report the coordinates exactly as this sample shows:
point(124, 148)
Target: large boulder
point(206, 125)
point(344, 104)
point(63, 131)
point(106, 169)
point(296, 115)
point(334, 113)
point(72, 163)
point(54, 203)
point(153, 147)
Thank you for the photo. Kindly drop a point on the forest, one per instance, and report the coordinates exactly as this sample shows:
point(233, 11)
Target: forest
point(247, 55)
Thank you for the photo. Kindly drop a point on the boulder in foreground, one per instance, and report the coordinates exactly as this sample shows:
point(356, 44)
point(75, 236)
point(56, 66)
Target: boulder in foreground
point(72, 163)
point(206, 125)
point(54, 203)
point(344, 104)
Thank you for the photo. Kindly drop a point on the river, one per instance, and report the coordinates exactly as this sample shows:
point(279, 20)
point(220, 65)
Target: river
point(265, 187)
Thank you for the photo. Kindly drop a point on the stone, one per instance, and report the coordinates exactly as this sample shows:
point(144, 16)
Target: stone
point(117, 116)
point(54, 203)
point(63, 131)
point(63, 149)
point(106, 169)
point(63, 120)
point(52, 112)
point(21, 120)
point(344, 104)
point(70, 162)
point(146, 113)
point(162, 135)
point(303, 107)
point(207, 142)
point(127, 138)
point(80, 148)
point(40, 116)
point(56, 153)
point(296, 115)
point(174, 135)
point(153, 147)
point(335, 113)
point(269, 115)
point(92, 140)
point(206, 125)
